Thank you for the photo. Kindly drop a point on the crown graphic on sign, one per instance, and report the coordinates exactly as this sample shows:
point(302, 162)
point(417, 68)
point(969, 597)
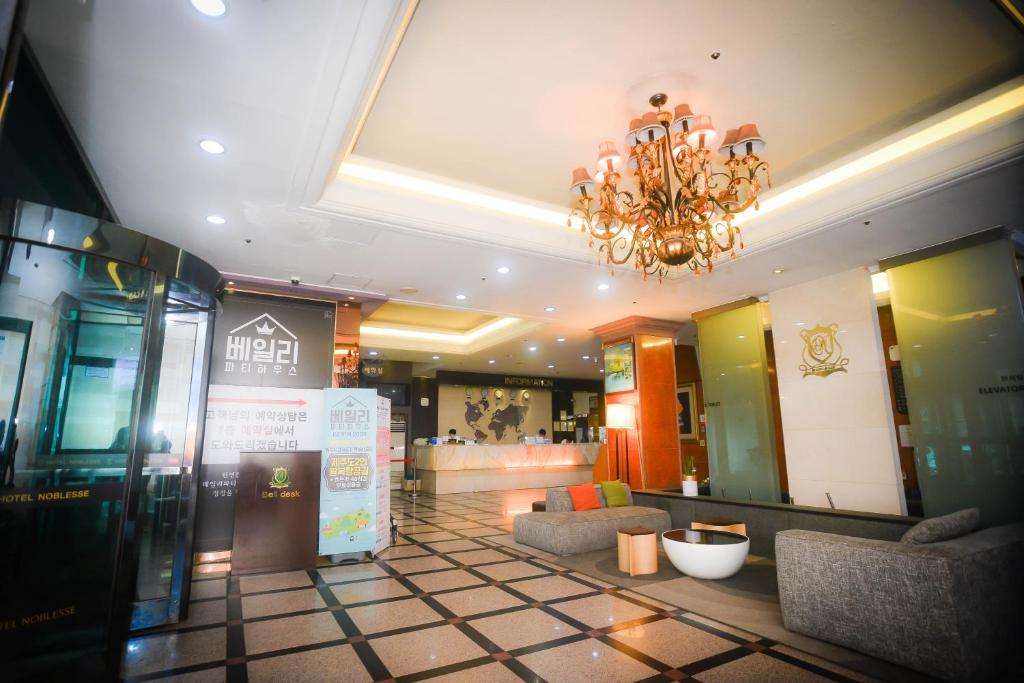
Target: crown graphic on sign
point(265, 328)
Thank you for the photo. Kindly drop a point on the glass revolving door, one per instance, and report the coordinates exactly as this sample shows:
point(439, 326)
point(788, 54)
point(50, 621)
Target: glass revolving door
point(104, 348)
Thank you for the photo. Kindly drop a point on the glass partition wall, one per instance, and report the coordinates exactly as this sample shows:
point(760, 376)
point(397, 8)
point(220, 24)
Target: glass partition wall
point(104, 349)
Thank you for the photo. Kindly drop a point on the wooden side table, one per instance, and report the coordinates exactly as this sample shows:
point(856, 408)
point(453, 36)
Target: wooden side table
point(716, 523)
point(638, 550)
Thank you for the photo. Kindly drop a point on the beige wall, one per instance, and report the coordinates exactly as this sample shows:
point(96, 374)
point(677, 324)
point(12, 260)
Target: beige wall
point(838, 428)
point(452, 412)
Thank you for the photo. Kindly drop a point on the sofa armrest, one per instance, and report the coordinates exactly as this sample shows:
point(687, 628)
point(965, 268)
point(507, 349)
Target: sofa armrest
point(890, 600)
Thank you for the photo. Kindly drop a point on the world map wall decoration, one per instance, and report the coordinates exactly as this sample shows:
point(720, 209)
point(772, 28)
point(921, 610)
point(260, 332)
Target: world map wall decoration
point(492, 415)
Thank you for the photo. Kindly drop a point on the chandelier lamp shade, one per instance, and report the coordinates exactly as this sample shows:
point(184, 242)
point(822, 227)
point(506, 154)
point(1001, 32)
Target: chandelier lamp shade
point(676, 208)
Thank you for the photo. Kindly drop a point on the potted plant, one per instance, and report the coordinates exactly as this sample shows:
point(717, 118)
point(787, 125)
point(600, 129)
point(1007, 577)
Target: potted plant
point(689, 476)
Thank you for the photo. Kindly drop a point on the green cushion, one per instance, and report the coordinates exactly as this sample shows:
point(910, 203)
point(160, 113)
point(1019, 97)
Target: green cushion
point(614, 494)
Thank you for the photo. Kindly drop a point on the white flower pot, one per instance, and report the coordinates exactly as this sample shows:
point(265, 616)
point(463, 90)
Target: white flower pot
point(689, 487)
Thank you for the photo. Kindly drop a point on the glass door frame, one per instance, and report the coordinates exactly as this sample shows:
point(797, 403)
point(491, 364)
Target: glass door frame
point(50, 228)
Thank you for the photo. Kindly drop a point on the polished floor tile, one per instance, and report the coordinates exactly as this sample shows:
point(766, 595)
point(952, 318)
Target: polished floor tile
point(412, 565)
point(477, 600)
point(281, 603)
point(521, 628)
point(366, 591)
point(352, 572)
point(586, 661)
point(392, 615)
point(758, 668)
point(494, 672)
point(408, 653)
point(551, 587)
point(337, 663)
point(286, 632)
point(599, 611)
point(456, 599)
point(454, 546)
point(174, 650)
point(273, 582)
point(673, 643)
point(472, 557)
point(208, 588)
point(506, 571)
point(445, 580)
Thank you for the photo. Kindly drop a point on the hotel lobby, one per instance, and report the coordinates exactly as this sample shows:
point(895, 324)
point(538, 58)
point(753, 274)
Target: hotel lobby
point(467, 340)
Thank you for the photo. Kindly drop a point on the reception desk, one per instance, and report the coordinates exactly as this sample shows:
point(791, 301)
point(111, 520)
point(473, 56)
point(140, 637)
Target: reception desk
point(463, 469)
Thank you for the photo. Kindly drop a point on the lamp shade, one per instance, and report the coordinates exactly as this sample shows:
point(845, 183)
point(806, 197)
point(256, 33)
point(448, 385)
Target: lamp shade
point(581, 180)
point(732, 136)
point(678, 143)
point(608, 160)
point(702, 132)
point(650, 128)
point(634, 129)
point(682, 118)
point(749, 137)
point(620, 416)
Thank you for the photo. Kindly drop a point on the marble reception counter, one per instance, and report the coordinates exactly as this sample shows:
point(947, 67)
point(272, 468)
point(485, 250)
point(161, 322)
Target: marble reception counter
point(460, 469)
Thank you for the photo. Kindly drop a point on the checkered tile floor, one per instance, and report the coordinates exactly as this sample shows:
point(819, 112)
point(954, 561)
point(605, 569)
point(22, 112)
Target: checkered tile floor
point(456, 600)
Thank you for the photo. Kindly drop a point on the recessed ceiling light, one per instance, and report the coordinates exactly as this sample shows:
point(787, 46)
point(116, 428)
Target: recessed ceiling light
point(408, 290)
point(460, 297)
point(492, 361)
point(211, 146)
point(351, 298)
point(533, 348)
point(373, 353)
point(504, 270)
point(211, 8)
point(550, 367)
point(560, 339)
point(216, 220)
point(601, 370)
point(586, 357)
point(741, 336)
point(779, 271)
point(603, 286)
point(436, 357)
point(549, 309)
point(231, 283)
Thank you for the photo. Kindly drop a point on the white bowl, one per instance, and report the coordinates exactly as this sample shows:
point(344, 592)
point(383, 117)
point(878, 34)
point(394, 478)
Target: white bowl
point(706, 560)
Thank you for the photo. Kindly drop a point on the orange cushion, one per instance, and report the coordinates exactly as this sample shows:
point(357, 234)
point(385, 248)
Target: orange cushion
point(584, 497)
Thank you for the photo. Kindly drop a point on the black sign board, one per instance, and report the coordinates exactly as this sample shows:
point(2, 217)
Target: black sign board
point(273, 342)
point(277, 510)
point(215, 516)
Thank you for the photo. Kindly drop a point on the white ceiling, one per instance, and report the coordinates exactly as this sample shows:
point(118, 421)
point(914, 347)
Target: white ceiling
point(282, 85)
point(514, 95)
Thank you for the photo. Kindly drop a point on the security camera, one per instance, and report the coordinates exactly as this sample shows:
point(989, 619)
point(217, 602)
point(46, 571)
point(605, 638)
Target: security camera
point(295, 279)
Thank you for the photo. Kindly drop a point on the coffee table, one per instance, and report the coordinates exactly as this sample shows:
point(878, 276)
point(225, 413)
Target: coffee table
point(705, 554)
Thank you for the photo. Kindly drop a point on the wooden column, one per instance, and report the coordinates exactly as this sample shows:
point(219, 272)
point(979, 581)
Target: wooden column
point(654, 460)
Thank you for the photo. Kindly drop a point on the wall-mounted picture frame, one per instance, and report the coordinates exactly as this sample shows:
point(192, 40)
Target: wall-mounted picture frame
point(686, 411)
point(619, 367)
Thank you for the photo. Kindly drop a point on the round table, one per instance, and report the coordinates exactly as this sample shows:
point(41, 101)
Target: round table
point(705, 554)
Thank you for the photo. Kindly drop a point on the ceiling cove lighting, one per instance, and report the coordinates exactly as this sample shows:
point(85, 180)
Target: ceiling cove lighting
point(216, 220)
point(450, 337)
point(682, 210)
point(211, 8)
point(211, 146)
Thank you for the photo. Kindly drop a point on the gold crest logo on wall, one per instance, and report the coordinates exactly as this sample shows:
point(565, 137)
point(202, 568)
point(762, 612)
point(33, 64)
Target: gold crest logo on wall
point(822, 352)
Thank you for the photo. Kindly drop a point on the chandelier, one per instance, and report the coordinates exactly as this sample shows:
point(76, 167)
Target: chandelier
point(679, 209)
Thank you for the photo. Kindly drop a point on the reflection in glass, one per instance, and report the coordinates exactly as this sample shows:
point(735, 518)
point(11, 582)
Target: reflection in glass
point(741, 447)
point(64, 463)
point(960, 324)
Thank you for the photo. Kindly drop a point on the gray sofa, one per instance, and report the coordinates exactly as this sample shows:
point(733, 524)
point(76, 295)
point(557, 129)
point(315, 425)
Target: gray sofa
point(562, 531)
point(951, 609)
